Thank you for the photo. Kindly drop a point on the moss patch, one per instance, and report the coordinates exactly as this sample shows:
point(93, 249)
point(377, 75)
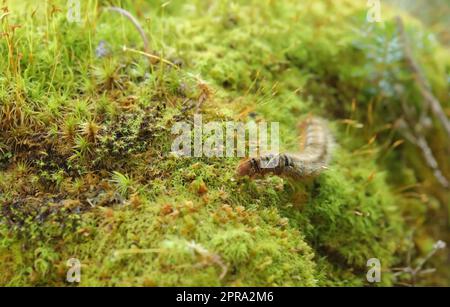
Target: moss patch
point(85, 164)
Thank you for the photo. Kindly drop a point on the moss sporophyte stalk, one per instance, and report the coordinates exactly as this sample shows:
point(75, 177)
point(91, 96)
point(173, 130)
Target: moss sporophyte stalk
point(348, 115)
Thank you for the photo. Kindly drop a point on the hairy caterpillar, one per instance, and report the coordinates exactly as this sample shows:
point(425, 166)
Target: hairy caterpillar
point(316, 145)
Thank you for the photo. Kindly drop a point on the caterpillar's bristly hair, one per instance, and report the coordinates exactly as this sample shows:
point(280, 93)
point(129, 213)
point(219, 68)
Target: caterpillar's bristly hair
point(138, 27)
point(316, 146)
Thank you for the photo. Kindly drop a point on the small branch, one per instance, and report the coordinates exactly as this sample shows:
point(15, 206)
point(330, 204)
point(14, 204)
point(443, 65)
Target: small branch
point(210, 257)
point(431, 161)
point(4, 15)
point(418, 270)
point(135, 22)
point(137, 25)
point(421, 81)
point(150, 56)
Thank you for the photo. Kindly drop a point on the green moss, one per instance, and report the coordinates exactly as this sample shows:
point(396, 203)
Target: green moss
point(86, 143)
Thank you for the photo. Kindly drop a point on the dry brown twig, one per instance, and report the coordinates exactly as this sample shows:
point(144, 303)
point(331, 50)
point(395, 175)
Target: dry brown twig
point(406, 127)
point(209, 257)
point(206, 256)
point(141, 31)
point(418, 270)
point(153, 58)
point(135, 22)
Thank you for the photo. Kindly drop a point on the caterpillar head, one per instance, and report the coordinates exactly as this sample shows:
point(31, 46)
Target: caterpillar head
point(246, 168)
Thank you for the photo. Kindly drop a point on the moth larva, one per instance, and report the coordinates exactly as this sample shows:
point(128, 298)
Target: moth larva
point(316, 144)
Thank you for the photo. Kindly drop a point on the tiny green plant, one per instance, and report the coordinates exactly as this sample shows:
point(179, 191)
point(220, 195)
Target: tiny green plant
point(124, 184)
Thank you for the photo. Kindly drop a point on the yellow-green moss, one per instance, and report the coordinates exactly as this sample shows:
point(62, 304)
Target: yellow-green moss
point(85, 169)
